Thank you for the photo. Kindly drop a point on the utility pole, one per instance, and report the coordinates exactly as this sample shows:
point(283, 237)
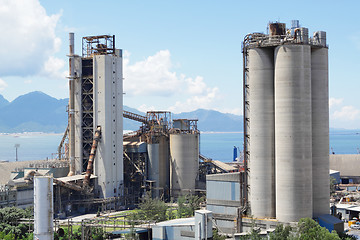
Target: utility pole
point(16, 151)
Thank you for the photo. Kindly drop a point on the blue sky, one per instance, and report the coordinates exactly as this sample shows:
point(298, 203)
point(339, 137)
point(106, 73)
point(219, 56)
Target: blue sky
point(178, 55)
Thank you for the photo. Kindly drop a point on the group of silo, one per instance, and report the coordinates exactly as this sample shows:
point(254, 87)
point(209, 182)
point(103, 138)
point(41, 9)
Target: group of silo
point(174, 161)
point(288, 125)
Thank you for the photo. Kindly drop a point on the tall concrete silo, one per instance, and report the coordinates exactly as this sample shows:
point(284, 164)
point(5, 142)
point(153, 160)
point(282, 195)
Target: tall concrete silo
point(293, 132)
point(159, 165)
point(320, 126)
point(184, 161)
point(262, 132)
point(286, 109)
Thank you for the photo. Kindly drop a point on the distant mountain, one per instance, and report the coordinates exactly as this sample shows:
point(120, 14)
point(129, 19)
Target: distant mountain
point(3, 101)
point(39, 112)
point(210, 120)
point(33, 112)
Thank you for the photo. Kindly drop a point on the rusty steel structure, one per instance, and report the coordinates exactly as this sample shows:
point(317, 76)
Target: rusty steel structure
point(89, 169)
point(102, 44)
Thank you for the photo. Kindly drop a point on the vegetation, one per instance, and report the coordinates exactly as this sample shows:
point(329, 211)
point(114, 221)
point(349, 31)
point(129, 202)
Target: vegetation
point(217, 236)
point(307, 229)
point(10, 226)
point(157, 210)
point(187, 205)
point(333, 184)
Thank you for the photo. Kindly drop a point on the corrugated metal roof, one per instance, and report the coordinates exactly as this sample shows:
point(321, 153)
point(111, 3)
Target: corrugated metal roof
point(74, 178)
point(178, 222)
point(7, 167)
point(351, 207)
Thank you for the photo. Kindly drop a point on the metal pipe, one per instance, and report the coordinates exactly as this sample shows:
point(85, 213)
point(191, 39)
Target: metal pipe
point(89, 168)
point(71, 106)
point(62, 142)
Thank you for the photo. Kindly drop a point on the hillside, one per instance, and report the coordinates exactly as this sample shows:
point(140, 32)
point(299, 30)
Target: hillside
point(33, 112)
point(38, 112)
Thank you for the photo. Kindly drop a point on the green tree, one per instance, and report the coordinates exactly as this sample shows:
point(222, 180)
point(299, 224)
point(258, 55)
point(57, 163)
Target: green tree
point(151, 209)
point(281, 232)
point(253, 235)
point(308, 229)
point(217, 236)
point(10, 221)
point(332, 185)
point(188, 204)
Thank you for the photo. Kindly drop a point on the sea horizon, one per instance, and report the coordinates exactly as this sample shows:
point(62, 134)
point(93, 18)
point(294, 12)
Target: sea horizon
point(213, 144)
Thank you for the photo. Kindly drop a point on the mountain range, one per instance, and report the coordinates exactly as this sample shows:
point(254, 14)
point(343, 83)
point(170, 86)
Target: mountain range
point(39, 112)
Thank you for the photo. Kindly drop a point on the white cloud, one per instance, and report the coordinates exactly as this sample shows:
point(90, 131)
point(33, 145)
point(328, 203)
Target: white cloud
point(335, 102)
point(28, 81)
point(197, 101)
point(236, 111)
point(151, 76)
point(347, 113)
point(28, 37)
point(3, 84)
point(196, 86)
point(53, 68)
point(145, 108)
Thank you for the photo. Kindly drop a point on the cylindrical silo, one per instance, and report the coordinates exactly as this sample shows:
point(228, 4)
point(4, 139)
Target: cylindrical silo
point(153, 165)
point(158, 165)
point(262, 132)
point(293, 147)
point(320, 130)
point(43, 208)
point(184, 164)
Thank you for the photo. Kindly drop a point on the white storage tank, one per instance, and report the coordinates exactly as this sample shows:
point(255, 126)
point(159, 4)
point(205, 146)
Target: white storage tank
point(320, 130)
point(159, 165)
point(293, 138)
point(184, 163)
point(43, 208)
point(262, 132)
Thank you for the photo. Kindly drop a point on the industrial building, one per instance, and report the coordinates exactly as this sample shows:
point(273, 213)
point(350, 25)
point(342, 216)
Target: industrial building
point(286, 134)
point(283, 177)
point(98, 167)
point(286, 122)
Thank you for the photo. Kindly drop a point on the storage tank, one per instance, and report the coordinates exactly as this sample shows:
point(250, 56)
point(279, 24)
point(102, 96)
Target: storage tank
point(319, 38)
point(277, 29)
point(184, 163)
point(43, 208)
point(320, 130)
point(262, 132)
point(293, 138)
point(159, 165)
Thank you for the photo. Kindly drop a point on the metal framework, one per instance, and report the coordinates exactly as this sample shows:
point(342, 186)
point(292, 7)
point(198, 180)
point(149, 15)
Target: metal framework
point(87, 105)
point(158, 120)
point(98, 45)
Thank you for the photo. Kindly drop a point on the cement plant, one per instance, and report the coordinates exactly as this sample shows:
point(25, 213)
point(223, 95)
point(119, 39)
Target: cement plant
point(282, 176)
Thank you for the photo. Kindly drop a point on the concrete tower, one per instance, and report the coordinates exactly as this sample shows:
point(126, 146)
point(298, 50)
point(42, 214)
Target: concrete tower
point(98, 102)
point(286, 120)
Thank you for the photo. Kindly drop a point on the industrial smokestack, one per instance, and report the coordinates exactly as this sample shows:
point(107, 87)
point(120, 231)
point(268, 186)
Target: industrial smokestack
point(71, 118)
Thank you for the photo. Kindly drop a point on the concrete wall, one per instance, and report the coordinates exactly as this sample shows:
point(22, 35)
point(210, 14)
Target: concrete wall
point(347, 164)
point(108, 107)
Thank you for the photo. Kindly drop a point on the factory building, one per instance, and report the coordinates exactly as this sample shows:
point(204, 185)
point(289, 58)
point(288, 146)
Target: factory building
point(286, 122)
point(96, 103)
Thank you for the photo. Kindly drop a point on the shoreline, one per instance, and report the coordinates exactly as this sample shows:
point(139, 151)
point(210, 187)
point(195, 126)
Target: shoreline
point(29, 134)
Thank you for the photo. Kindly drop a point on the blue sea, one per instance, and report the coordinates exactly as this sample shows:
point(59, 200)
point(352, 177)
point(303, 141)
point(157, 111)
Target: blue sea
point(218, 146)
